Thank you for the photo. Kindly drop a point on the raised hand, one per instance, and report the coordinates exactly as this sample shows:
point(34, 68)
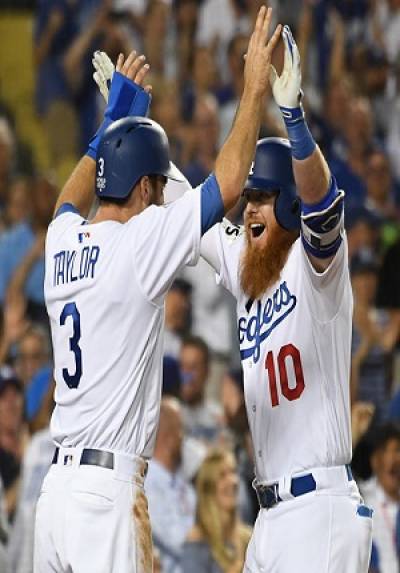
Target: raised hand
point(133, 67)
point(104, 71)
point(286, 88)
point(259, 52)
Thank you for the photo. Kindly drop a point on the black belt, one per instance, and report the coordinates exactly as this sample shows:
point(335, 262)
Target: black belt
point(88, 458)
point(268, 495)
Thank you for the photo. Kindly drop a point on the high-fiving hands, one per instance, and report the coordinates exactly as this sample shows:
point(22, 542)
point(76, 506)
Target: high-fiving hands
point(259, 53)
point(133, 67)
point(286, 88)
point(104, 71)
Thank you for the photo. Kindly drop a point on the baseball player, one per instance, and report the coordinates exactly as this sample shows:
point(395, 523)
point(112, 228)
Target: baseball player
point(105, 285)
point(288, 269)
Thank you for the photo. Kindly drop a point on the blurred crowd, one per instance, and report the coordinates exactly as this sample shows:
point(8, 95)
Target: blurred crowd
point(202, 506)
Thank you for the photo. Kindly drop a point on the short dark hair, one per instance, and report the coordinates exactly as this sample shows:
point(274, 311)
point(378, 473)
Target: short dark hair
point(122, 201)
point(198, 343)
point(383, 434)
point(9, 379)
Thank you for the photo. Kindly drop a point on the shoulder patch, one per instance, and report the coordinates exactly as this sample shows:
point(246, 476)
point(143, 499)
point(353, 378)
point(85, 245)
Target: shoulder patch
point(231, 230)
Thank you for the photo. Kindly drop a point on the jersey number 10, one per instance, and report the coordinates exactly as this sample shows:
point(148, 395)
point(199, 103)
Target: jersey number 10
point(286, 352)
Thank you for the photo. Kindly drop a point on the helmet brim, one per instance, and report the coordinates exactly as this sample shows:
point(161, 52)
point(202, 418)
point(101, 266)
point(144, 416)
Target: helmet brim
point(259, 184)
point(174, 173)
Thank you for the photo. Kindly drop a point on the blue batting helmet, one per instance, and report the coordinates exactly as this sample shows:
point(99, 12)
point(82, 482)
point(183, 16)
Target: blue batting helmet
point(272, 172)
point(129, 149)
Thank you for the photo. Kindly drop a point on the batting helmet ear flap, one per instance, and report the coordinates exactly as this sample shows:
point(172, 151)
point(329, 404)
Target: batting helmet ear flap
point(272, 172)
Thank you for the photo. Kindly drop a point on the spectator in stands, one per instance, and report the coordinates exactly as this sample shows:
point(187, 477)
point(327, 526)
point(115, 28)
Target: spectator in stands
point(171, 498)
point(202, 417)
point(232, 397)
point(380, 185)
point(363, 230)
point(229, 94)
point(362, 414)
point(54, 29)
point(166, 110)
point(210, 32)
point(39, 399)
point(202, 81)
point(17, 205)
point(17, 244)
point(336, 109)
point(13, 324)
point(350, 169)
point(35, 464)
point(33, 353)
point(205, 144)
point(98, 29)
point(7, 158)
point(11, 412)
point(186, 16)
point(214, 318)
point(13, 435)
point(3, 530)
point(381, 195)
point(388, 295)
point(382, 493)
point(219, 539)
point(177, 316)
point(374, 338)
point(155, 34)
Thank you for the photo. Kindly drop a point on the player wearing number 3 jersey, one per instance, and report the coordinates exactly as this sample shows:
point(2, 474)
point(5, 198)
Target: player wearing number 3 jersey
point(105, 284)
point(294, 313)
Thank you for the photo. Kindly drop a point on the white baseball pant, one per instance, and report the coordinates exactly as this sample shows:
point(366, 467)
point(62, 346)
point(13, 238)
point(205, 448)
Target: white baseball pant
point(328, 530)
point(91, 519)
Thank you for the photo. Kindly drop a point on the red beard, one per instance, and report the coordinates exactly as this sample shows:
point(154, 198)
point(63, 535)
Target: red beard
point(261, 267)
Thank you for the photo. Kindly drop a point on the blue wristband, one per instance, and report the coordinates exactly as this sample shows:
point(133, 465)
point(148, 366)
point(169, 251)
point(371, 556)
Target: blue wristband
point(301, 140)
point(125, 98)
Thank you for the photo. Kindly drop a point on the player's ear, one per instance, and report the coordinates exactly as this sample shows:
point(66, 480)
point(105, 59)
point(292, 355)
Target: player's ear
point(145, 191)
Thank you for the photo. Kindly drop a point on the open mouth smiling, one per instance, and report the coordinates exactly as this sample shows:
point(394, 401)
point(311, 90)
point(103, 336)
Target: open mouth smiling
point(257, 230)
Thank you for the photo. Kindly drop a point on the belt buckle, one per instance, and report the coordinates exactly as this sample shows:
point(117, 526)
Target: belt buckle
point(274, 498)
point(268, 495)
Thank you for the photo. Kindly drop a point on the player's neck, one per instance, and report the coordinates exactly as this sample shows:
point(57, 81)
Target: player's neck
point(118, 213)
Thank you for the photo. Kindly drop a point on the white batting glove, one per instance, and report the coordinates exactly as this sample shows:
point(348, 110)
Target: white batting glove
point(286, 88)
point(104, 72)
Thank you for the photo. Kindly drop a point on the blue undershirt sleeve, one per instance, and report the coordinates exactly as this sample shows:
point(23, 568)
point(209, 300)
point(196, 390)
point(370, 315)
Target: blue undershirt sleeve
point(66, 208)
point(212, 206)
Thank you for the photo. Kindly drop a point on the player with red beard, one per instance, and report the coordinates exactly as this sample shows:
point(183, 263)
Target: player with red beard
point(288, 269)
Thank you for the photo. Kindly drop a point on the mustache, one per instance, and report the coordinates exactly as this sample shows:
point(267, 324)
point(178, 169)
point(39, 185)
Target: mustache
point(261, 267)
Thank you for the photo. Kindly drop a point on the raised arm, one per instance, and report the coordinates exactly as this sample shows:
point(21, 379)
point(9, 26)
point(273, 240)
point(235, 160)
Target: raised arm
point(125, 96)
point(322, 202)
point(234, 160)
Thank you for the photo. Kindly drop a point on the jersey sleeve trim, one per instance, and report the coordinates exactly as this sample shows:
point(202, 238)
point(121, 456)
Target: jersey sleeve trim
point(66, 208)
point(212, 207)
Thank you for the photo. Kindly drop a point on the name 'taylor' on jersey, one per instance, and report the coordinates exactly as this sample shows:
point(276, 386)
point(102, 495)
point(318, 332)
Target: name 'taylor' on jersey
point(70, 266)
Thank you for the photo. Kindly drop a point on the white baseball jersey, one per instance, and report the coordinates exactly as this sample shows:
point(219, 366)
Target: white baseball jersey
point(295, 351)
point(105, 285)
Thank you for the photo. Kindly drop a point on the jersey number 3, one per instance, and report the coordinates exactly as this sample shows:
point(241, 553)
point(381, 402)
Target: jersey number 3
point(286, 352)
point(70, 310)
